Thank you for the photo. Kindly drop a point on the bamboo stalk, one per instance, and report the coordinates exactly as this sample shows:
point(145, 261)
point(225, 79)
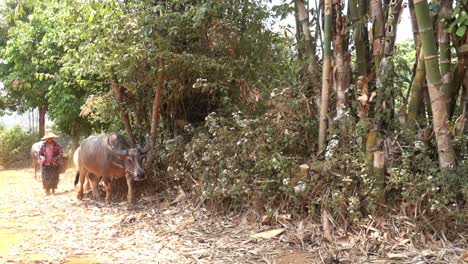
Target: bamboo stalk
point(394, 13)
point(327, 234)
point(325, 78)
point(414, 26)
point(341, 78)
point(385, 104)
point(416, 98)
point(378, 32)
point(371, 142)
point(358, 34)
point(379, 175)
point(434, 79)
point(303, 17)
point(444, 39)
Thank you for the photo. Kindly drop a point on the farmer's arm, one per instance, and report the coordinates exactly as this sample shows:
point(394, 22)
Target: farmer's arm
point(41, 157)
point(58, 154)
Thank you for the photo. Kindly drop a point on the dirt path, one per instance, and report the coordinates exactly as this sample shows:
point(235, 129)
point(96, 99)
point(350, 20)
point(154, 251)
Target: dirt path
point(35, 228)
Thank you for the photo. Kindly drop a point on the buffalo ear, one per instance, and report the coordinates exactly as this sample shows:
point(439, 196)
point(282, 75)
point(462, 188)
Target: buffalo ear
point(114, 151)
point(147, 146)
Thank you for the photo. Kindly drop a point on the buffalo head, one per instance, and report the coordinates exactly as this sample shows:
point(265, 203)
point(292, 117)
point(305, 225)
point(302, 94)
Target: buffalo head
point(133, 160)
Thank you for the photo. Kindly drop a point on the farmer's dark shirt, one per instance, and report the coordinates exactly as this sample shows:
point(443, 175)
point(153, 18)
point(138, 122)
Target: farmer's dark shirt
point(57, 153)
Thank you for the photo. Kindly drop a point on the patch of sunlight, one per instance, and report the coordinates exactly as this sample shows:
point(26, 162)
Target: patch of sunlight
point(38, 257)
point(8, 239)
point(76, 259)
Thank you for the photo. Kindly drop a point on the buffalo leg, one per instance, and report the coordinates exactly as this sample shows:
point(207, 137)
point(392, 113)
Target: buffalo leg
point(82, 175)
point(94, 185)
point(108, 186)
point(130, 199)
point(87, 185)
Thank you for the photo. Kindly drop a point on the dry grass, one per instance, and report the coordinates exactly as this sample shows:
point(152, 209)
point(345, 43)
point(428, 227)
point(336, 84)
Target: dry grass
point(60, 229)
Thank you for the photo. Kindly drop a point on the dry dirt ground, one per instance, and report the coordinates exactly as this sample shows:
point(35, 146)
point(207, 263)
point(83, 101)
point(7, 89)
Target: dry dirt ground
point(35, 228)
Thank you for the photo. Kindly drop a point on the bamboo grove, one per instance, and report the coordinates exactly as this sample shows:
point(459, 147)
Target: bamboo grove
point(434, 107)
point(436, 73)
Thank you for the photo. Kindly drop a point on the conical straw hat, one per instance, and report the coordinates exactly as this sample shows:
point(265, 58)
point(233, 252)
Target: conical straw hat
point(49, 134)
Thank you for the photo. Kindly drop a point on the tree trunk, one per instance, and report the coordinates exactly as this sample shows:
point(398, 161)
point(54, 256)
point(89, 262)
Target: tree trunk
point(42, 116)
point(434, 80)
point(325, 78)
point(74, 137)
point(118, 92)
point(157, 103)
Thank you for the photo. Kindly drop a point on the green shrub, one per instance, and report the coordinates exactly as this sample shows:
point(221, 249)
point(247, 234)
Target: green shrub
point(242, 160)
point(237, 159)
point(15, 146)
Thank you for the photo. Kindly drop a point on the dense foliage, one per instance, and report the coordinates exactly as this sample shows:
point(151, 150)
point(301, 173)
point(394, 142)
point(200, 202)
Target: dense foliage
point(15, 145)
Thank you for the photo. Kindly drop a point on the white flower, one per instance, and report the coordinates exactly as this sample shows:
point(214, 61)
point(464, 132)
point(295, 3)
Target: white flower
point(300, 187)
point(273, 94)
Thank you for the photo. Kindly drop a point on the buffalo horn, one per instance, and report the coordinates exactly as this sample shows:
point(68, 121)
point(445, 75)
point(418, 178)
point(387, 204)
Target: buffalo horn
point(147, 146)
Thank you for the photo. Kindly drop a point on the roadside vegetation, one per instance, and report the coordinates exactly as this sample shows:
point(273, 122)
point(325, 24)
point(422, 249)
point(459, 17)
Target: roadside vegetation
point(319, 125)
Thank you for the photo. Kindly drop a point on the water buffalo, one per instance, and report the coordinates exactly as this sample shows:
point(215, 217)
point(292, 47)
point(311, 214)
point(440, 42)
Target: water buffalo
point(35, 159)
point(75, 157)
point(107, 156)
point(75, 163)
point(35, 156)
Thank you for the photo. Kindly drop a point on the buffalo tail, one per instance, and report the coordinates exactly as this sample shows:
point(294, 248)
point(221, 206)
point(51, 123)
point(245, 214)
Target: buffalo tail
point(77, 177)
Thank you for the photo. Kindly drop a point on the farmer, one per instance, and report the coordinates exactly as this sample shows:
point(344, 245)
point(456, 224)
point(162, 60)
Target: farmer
point(50, 156)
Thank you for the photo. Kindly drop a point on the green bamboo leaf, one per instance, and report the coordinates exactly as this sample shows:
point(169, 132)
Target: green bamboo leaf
point(461, 31)
point(460, 18)
point(450, 28)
